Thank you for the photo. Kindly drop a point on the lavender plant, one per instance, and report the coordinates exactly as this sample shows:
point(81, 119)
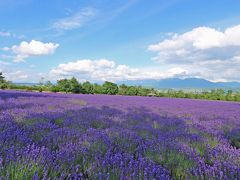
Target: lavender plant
point(67, 136)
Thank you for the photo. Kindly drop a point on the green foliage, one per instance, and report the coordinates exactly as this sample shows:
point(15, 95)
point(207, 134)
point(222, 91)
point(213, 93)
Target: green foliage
point(97, 89)
point(176, 162)
point(64, 85)
point(87, 88)
point(237, 96)
point(55, 88)
point(22, 171)
point(3, 83)
point(2, 78)
point(67, 86)
point(75, 87)
point(215, 94)
point(122, 89)
point(48, 85)
point(110, 88)
point(229, 95)
point(132, 91)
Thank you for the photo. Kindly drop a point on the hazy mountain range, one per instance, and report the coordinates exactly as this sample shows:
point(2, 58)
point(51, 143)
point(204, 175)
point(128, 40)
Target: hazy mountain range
point(182, 83)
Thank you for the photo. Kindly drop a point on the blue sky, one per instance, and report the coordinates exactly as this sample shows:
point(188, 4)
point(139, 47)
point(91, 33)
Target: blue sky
point(116, 40)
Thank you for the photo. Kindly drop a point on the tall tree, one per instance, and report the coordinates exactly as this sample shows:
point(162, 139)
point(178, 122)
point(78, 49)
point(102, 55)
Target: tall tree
point(97, 89)
point(3, 82)
point(110, 88)
point(2, 78)
point(132, 91)
point(87, 88)
point(122, 89)
point(64, 85)
point(75, 87)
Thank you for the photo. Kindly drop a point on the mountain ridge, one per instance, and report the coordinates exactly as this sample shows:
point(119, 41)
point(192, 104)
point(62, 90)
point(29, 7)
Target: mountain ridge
point(181, 83)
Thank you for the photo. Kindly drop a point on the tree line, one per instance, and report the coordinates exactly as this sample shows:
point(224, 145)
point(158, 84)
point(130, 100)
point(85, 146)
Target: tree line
point(110, 88)
point(73, 86)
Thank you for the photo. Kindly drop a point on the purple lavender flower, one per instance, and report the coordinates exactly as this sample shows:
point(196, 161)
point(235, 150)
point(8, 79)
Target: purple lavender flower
point(63, 136)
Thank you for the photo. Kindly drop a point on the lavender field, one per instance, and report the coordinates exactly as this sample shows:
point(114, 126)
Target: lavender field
point(66, 136)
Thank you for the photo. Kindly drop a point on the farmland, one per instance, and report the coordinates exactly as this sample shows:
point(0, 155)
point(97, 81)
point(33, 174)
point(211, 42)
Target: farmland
point(67, 136)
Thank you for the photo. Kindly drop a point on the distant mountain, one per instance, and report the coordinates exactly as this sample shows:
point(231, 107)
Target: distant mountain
point(188, 83)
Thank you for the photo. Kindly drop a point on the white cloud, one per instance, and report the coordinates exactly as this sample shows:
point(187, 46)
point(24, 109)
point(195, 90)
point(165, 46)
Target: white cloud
point(83, 66)
point(75, 21)
point(5, 34)
point(205, 52)
point(32, 48)
point(103, 69)
point(200, 43)
point(16, 75)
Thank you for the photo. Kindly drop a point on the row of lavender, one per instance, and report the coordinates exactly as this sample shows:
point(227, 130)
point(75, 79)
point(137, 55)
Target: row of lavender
point(61, 136)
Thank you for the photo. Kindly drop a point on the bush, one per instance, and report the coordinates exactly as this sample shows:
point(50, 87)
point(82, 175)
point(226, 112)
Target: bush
point(55, 89)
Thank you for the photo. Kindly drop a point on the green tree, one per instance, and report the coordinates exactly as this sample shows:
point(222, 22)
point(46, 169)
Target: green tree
point(132, 91)
point(2, 78)
point(180, 94)
point(64, 85)
point(229, 95)
point(110, 88)
point(75, 87)
point(122, 90)
point(237, 96)
point(41, 84)
point(55, 88)
point(141, 91)
point(48, 84)
point(161, 94)
point(87, 88)
point(97, 89)
point(3, 83)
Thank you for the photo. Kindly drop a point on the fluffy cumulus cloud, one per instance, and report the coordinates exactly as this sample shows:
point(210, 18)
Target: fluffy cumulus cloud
point(32, 48)
point(103, 69)
point(75, 21)
point(203, 51)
